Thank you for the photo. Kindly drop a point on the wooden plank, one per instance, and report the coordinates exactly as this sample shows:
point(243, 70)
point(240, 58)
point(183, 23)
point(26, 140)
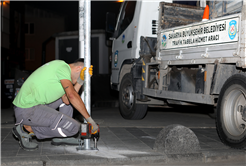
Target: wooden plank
point(173, 15)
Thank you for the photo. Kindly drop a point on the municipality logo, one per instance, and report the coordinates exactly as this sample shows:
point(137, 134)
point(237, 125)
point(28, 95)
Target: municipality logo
point(123, 38)
point(164, 41)
point(115, 58)
point(232, 31)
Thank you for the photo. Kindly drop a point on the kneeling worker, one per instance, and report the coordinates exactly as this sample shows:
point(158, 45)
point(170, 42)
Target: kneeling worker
point(53, 85)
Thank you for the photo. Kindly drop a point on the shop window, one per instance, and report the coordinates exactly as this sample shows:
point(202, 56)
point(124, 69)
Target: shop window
point(29, 28)
point(29, 54)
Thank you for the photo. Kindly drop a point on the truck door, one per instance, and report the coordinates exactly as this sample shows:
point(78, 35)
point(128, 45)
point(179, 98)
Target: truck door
point(123, 36)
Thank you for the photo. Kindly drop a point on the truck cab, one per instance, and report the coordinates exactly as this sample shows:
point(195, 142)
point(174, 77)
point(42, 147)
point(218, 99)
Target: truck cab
point(135, 19)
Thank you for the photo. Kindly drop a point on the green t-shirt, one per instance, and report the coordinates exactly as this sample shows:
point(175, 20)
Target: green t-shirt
point(43, 86)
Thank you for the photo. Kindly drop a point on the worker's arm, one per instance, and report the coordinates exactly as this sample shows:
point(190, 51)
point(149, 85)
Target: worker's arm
point(65, 99)
point(79, 83)
point(77, 102)
point(74, 97)
point(77, 87)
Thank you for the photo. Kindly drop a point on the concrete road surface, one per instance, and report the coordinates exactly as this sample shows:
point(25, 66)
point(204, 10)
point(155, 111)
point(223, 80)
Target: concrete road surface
point(126, 142)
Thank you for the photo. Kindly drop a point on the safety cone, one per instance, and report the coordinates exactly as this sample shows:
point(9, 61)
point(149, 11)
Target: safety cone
point(206, 14)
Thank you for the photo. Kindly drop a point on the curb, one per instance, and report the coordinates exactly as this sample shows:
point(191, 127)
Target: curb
point(205, 157)
point(216, 156)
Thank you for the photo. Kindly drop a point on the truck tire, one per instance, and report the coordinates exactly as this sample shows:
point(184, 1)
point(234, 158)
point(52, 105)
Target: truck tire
point(128, 108)
point(231, 126)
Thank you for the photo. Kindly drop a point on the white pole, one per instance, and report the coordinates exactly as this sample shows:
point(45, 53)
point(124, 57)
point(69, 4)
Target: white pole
point(85, 52)
point(81, 28)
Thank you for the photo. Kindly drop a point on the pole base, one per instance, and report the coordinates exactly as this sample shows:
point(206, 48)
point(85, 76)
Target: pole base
point(83, 148)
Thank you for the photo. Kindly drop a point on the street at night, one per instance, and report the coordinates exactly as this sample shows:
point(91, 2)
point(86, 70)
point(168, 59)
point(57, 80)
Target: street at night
point(146, 82)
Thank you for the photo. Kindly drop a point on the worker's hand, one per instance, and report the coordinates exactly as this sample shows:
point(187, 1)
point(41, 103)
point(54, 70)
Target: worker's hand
point(65, 99)
point(91, 70)
point(81, 78)
point(94, 129)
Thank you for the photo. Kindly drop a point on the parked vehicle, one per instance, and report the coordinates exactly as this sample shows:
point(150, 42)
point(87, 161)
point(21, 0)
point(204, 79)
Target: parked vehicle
point(178, 59)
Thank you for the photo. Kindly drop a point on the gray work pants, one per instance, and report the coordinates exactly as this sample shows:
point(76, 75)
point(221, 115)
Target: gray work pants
point(47, 122)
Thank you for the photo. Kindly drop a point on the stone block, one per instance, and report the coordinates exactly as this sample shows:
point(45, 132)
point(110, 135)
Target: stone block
point(176, 139)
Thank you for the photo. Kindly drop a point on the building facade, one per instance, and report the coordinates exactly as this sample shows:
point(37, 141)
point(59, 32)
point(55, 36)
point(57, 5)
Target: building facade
point(39, 26)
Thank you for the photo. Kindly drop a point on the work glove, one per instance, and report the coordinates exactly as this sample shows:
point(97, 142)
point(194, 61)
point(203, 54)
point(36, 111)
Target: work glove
point(91, 70)
point(81, 78)
point(94, 129)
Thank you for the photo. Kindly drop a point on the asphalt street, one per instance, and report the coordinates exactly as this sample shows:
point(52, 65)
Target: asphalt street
point(126, 142)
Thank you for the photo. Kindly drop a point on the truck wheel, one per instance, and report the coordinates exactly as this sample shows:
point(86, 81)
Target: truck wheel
point(128, 108)
point(231, 111)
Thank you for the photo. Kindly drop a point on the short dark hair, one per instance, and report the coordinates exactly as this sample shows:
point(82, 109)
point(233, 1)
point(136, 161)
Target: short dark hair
point(79, 60)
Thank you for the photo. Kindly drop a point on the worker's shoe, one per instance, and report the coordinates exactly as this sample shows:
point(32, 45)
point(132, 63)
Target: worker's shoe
point(66, 141)
point(25, 139)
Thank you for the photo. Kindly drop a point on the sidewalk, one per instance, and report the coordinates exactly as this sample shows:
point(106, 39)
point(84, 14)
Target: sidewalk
point(118, 145)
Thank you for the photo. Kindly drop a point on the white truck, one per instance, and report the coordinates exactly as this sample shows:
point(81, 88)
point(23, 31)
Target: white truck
point(163, 53)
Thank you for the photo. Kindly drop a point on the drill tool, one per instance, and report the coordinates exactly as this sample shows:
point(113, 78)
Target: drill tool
point(86, 133)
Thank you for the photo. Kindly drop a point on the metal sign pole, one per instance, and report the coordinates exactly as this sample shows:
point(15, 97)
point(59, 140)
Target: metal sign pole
point(85, 52)
point(81, 28)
